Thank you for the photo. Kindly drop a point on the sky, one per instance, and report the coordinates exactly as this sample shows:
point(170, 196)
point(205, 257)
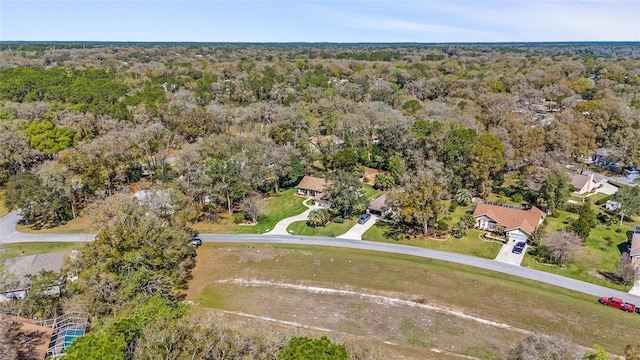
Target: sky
point(423, 21)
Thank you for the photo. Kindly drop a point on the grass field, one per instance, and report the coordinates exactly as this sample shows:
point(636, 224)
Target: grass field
point(330, 230)
point(370, 193)
point(471, 244)
point(231, 277)
point(79, 225)
point(22, 249)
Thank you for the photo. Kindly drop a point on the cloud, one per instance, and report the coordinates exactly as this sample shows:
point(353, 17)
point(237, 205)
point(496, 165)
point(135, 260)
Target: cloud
point(497, 21)
point(583, 20)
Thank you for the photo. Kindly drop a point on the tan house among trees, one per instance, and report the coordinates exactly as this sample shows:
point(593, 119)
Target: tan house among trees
point(379, 206)
point(311, 187)
point(517, 224)
point(585, 183)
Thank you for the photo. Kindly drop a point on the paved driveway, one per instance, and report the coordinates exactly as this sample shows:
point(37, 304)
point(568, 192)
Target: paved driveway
point(508, 257)
point(355, 233)
point(281, 227)
point(607, 188)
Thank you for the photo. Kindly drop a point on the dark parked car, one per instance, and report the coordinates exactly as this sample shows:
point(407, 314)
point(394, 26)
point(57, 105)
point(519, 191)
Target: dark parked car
point(364, 218)
point(517, 249)
point(195, 240)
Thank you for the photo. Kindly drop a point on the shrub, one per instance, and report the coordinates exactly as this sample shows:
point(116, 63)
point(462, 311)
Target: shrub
point(573, 208)
point(516, 197)
point(542, 254)
point(468, 220)
point(453, 206)
point(238, 218)
point(338, 220)
point(300, 348)
point(604, 219)
point(442, 225)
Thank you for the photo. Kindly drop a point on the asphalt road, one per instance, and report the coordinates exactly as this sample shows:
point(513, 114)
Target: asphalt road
point(8, 234)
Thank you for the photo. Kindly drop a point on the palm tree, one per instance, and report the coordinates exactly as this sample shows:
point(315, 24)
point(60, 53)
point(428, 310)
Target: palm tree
point(460, 229)
point(318, 217)
point(463, 197)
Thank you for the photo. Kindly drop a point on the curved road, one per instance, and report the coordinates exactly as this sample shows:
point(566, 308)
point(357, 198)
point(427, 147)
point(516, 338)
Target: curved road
point(8, 234)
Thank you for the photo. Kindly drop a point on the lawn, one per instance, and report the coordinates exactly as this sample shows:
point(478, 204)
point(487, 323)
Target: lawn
point(23, 249)
point(602, 251)
point(370, 193)
point(219, 283)
point(598, 257)
point(79, 225)
point(275, 208)
point(330, 230)
point(559, 220)
point(471, 244)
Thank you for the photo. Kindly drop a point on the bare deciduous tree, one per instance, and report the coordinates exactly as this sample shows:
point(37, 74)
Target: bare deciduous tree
point(562, 244)
point(626, 270)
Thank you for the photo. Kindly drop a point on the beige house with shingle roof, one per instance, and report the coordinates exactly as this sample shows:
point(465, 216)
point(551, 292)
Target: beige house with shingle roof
point(584, 183)
point(518, 224)
point(311, 186)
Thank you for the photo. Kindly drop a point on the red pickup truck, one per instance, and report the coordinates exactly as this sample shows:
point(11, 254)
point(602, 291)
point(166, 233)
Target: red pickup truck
point(618, 303)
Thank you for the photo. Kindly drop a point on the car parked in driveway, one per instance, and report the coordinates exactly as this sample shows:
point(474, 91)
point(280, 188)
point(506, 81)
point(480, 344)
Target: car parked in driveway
point(195, 240)
point(364, 218)
point(518, 247)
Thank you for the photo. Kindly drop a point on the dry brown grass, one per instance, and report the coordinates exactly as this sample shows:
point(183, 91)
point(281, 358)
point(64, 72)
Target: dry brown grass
point(79, 225)
point(500, 298)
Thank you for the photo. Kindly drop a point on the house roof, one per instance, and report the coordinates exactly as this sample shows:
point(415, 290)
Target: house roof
point(379, 203)
point(31, 340)
point(579, 180)
point(22, 266)
point(635, 242)
point(511, 218)
point(312, 183)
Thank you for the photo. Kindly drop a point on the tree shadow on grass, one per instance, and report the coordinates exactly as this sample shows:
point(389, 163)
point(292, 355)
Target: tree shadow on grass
point(395, 231)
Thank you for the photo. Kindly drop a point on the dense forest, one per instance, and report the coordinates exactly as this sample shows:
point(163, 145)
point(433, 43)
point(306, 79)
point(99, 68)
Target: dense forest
point(241, 120)
point(223, 125)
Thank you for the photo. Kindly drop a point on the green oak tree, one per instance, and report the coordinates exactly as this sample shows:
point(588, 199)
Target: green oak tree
point(629, 199)
point(419, 203)
point(486, 160)
point(555, 191)
point(345, 193)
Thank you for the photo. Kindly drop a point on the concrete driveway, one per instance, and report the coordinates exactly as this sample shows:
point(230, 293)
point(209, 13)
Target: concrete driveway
point(607, 188)
point(355, 233)
point(281, 227)
point(508, 257)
